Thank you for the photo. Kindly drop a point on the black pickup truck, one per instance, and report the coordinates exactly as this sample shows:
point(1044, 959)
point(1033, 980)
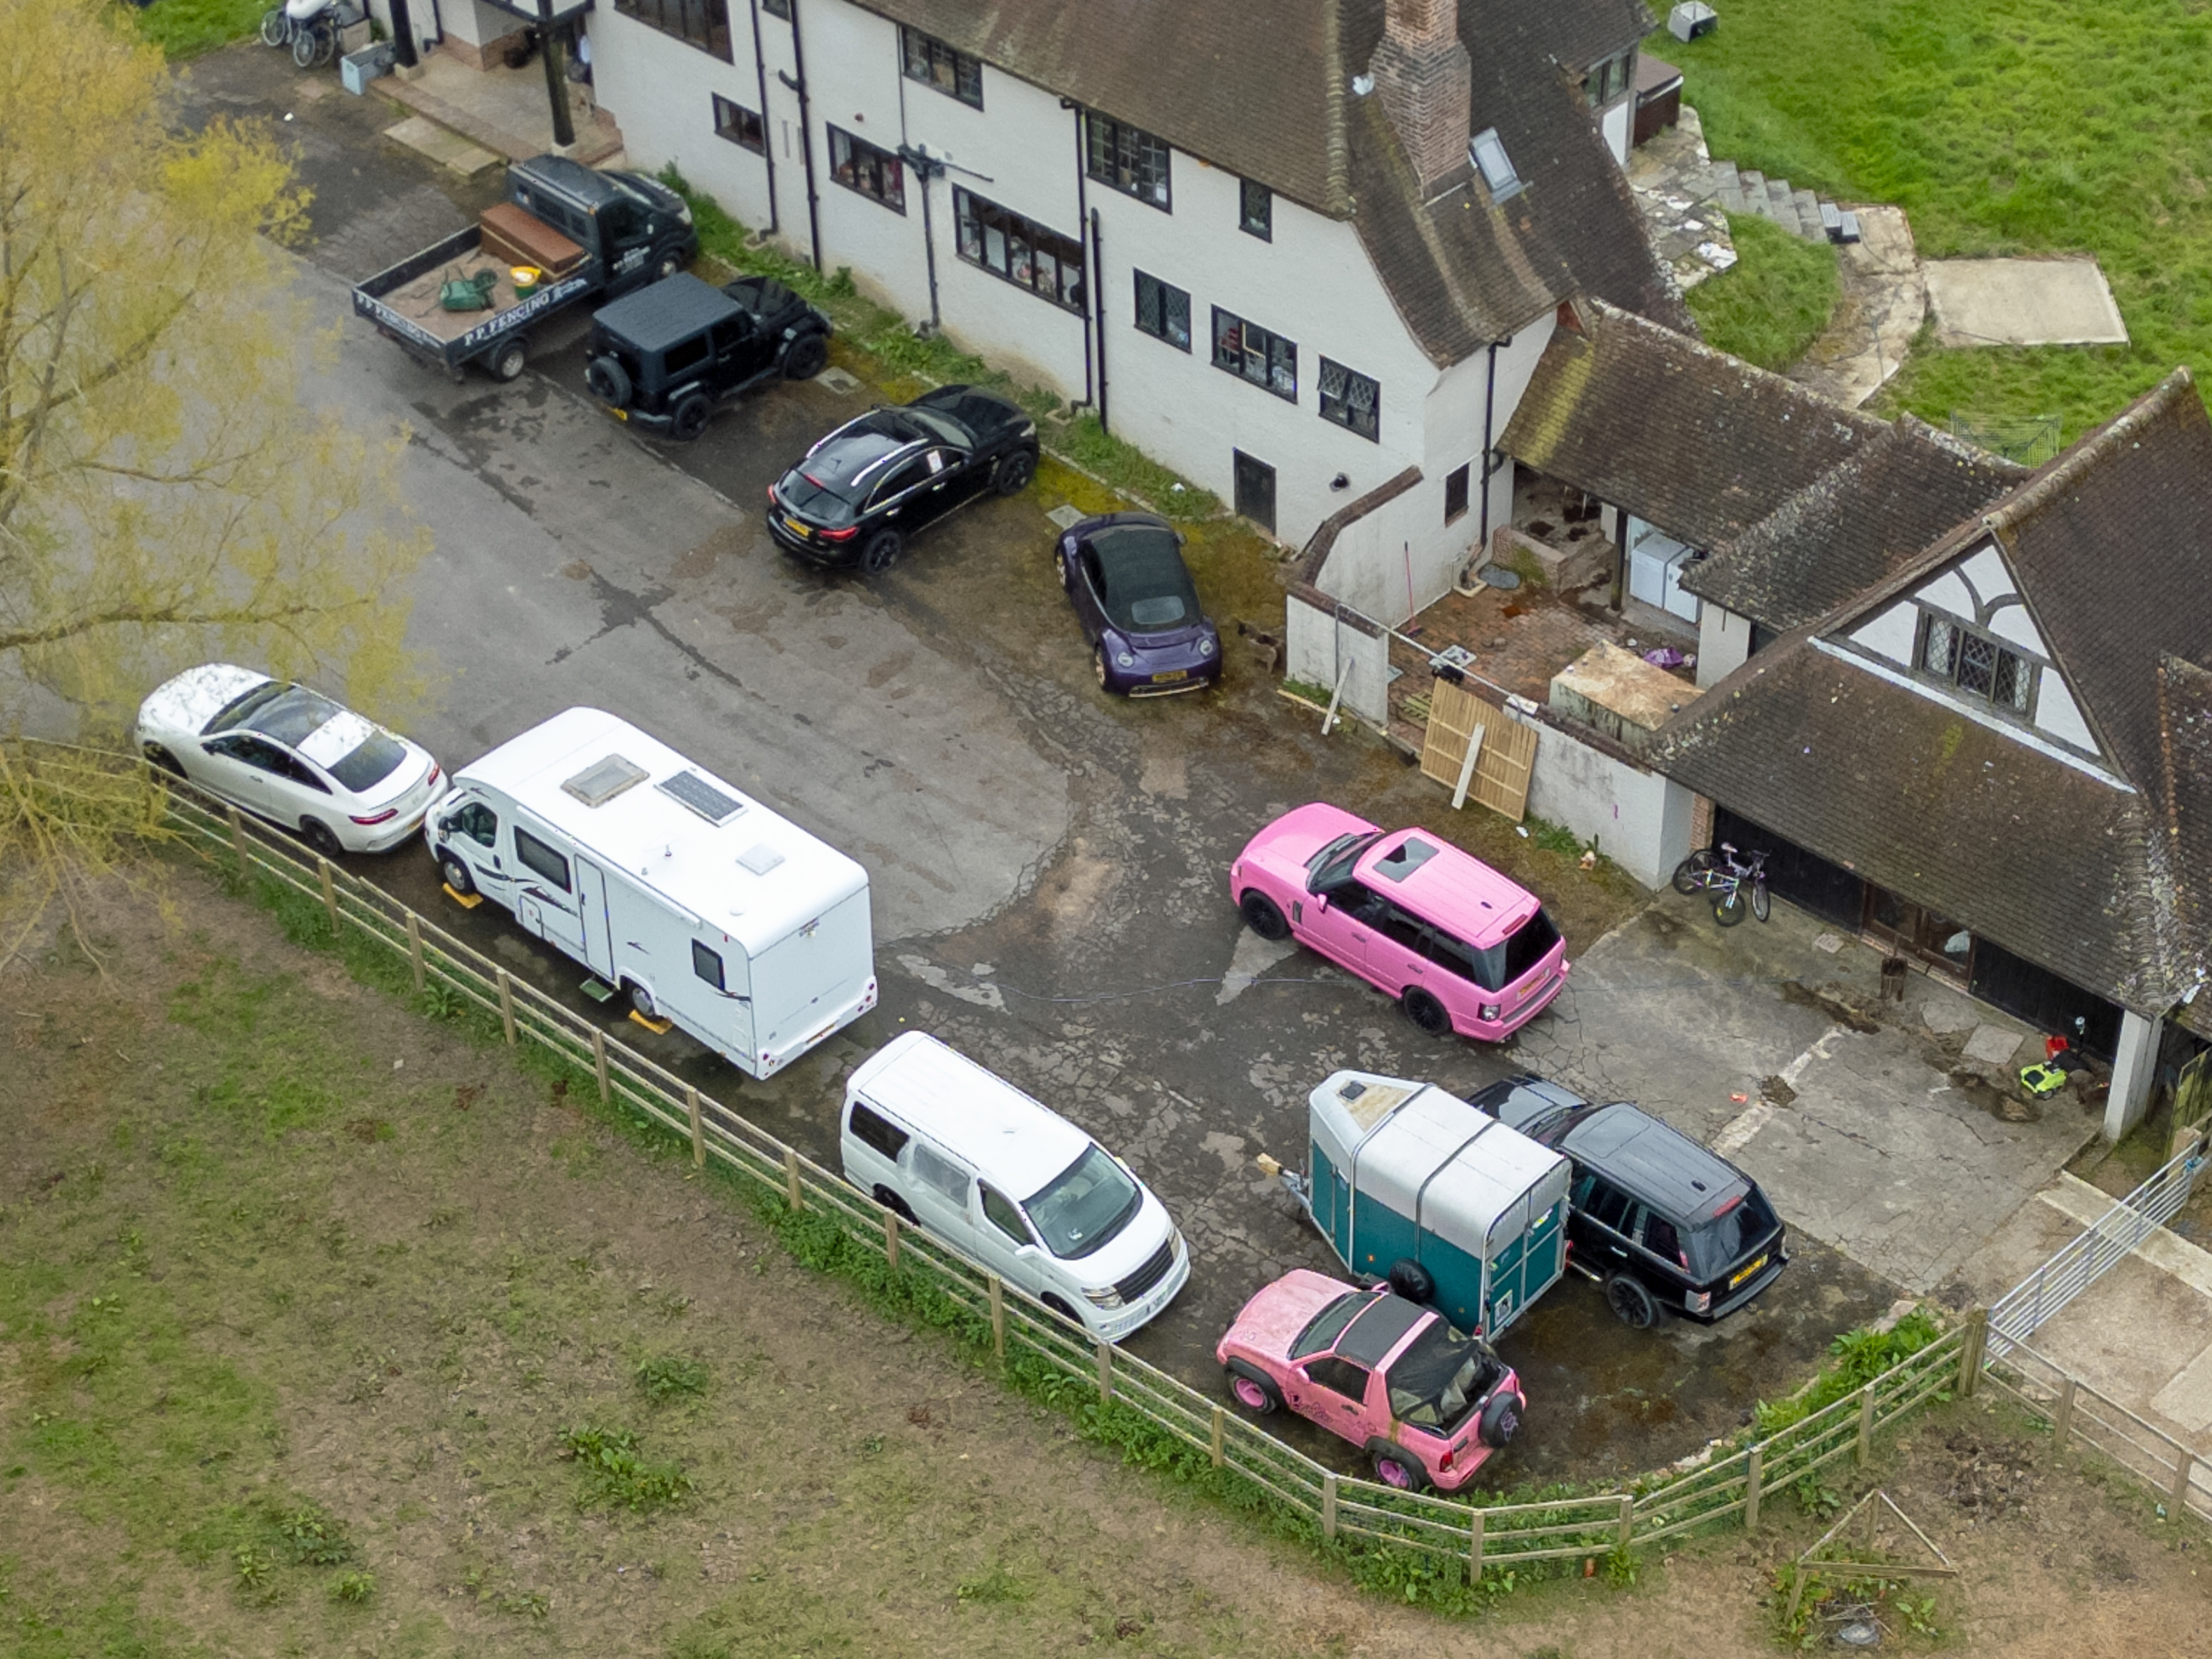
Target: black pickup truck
point(632, 230)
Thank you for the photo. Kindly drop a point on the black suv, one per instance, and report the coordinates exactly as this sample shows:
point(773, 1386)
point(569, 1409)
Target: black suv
point(858, 494)
point(664, 357)
point(1659, 1220)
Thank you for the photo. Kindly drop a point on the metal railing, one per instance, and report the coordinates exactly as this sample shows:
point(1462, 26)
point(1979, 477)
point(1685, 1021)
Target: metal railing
point(2103, 1245)
point(1734, 1484)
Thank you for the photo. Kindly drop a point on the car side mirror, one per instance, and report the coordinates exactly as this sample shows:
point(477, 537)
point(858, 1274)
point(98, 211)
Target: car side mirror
point(447, 826)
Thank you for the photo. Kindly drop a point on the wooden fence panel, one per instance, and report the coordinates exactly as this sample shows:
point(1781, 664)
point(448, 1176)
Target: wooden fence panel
point(1501, 767)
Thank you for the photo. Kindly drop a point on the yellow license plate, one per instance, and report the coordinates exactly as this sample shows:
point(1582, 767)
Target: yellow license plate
point(797, 528)
point(1746, 1272)
point(1172, 674)
point(619, 414)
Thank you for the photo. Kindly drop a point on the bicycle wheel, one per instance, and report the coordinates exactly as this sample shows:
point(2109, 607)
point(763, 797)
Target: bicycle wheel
point(1761, 906)
point(306, 38)
point(276, 27)
point(1690, 874)
point(1728, 907)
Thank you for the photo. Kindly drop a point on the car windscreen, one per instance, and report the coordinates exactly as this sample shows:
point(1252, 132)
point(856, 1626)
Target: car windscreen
point(1332, 866)
point(1147, 588)
point(1089, 1202)
point(1439, 1377)
point(1330, 1323)
point(244, 707)
point(936, 423)
point(1527, 946)
point(1725, 1240)
point(290, 717)
point(368, 765)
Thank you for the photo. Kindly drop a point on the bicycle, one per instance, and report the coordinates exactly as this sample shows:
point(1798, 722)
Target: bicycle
point(1726, 881)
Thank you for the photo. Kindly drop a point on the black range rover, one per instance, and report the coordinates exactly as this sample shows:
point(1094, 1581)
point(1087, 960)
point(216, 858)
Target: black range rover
point(1659, 1221)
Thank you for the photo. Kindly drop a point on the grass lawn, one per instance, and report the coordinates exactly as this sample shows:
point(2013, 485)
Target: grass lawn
point(2001, 127)
point(1769, 305)
point(186, 28)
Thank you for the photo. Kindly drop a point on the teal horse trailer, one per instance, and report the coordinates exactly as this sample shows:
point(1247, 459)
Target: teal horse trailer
point(1411, 1184)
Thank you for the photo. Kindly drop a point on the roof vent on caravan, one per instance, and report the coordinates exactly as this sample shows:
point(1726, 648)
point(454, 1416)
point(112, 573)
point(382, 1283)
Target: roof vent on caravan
point(702, 797)
point(604, 779)
point(760, 858)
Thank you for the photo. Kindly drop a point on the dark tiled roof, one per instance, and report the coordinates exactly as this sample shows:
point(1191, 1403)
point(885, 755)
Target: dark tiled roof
point(1696, 442)
point(1263, 90)
point(2112, 543)
point(2106, 886)
point(1256, 89)
point(2048, 860)
point(2186, 731)
point(1862, 518)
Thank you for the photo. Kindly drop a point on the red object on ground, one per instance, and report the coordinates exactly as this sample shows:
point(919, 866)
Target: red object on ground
point(2053, 1046)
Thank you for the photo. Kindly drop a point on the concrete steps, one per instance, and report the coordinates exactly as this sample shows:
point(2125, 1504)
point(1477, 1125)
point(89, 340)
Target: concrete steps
point(1801, 212)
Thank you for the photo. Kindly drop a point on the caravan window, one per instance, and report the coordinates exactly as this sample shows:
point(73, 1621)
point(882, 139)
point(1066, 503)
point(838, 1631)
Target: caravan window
point(542, 858)
point(707, 965)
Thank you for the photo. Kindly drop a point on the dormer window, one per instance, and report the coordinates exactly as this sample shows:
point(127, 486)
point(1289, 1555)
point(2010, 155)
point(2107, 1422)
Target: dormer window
point(1487, 151)
point(1976, 665)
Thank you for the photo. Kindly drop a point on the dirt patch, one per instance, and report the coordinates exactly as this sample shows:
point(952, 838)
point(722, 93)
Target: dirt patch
point(1835, 1002)
point(1776, 1089)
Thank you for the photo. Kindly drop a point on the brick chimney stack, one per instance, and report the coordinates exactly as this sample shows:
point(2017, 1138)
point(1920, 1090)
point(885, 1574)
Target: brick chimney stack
point(1422, 72)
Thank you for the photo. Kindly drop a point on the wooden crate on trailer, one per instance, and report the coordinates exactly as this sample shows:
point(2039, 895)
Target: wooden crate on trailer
point(1503, 762)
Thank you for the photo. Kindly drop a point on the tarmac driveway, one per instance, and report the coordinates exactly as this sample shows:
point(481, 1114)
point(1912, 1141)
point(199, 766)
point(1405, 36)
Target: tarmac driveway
point(1048, 864)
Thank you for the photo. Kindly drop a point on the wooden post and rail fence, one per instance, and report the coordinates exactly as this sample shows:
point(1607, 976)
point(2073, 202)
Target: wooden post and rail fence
point(1732, 1483)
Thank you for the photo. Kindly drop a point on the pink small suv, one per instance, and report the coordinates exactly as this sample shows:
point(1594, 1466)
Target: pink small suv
point(1460, 946)
point(1427, 1404)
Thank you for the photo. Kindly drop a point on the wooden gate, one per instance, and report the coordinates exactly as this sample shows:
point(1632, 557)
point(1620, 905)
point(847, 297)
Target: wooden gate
point(2192, 1104)
point(1504, 751)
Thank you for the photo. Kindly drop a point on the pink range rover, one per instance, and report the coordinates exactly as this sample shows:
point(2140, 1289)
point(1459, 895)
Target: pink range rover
point(1460, 946)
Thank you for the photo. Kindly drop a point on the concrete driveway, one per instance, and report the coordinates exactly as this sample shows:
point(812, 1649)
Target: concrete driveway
point(1771, 1044)
point(1048, 864)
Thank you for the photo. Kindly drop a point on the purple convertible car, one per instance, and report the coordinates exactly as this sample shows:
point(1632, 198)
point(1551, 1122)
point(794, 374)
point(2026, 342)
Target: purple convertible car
point(1124, 573)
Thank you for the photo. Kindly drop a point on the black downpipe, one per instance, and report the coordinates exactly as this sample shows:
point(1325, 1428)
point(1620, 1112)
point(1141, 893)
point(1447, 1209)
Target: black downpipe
point(1098, 288)
point(768, 144)
point(1092, 324)
point(806, 140)
point(1489, 405)
point(403, 34)
point(926, 172)
point(556, 86)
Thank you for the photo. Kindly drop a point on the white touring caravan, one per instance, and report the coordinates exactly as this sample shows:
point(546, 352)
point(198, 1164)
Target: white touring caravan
point(697, 903)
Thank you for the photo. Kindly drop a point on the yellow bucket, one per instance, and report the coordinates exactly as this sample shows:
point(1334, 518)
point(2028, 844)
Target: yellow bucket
point(526, 278)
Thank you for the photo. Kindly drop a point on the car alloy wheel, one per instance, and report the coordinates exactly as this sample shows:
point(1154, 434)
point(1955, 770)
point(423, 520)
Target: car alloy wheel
point(1631, 1303)
point(882, 552)
point(507, 363)
point(321, 836)
point(456, 874)
point(1425, 1012)
point(1014, 472)
point(1255, 1394)
point(1395, 1469)
point(1098, 668)
point(689, 420)
point(807, 356)
point(1263, 915)
point(1060, 568)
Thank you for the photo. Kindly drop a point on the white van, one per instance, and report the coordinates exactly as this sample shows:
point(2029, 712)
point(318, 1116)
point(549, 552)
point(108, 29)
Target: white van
point(699, 904)
point(1010, 1184)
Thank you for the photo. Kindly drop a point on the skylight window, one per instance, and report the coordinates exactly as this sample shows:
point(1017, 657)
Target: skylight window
point(1487, 151)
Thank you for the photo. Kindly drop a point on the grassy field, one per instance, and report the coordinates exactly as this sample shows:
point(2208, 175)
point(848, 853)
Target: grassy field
point(326, 1330)
point(186, 28)
point(2000, 126)
point(1769, 305)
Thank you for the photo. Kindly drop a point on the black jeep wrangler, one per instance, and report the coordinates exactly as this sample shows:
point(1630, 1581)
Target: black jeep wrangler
point(664, 357)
